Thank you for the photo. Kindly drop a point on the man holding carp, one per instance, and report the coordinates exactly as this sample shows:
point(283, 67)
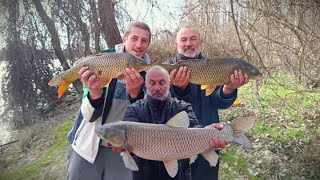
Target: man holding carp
point(90, 157)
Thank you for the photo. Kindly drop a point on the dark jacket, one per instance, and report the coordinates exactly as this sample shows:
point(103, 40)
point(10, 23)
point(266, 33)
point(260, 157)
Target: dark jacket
point(205, 107)
point(102, 106)
point(150, 110)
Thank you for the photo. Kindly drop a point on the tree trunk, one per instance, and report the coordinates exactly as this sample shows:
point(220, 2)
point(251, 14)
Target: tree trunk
point(55, 40)
point(76, 9)
point(108, 21)
point(96, 26)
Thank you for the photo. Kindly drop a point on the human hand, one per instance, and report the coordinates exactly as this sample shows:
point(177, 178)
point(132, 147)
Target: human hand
point(133, 82)
point(237, 79)
point(120, 149)
point(180, 78)
point(218, 142)
point(92, 81)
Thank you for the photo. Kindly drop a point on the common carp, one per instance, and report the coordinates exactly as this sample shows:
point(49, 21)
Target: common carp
point(171, 141)
point(106, 66)
point(210, 73)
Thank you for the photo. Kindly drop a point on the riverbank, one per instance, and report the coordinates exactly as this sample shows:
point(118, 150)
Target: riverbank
point(285, 140)
point(41, 152)
point(43, 158)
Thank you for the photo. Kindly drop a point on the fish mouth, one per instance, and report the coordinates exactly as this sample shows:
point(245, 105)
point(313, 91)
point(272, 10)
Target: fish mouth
point(146, 67)
point(259, 77)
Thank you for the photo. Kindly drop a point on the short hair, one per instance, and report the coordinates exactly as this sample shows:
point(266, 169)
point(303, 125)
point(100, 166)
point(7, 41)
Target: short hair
point(137, 24)
point(157, 68)
point(188, 27)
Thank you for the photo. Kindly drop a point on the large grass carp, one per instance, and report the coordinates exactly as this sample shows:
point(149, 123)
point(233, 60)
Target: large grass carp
point(106, 66)
point(210, 73)
point(171, 141)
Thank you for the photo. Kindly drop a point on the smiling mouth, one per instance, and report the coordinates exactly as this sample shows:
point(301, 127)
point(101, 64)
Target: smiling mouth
point(137, 51)
point(189, 50)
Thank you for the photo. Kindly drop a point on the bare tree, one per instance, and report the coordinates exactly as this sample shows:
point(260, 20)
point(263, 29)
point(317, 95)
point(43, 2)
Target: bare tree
point(55, 40)
point(96, 26)
point(27, 98)
point(76, 13)
point(108, 22)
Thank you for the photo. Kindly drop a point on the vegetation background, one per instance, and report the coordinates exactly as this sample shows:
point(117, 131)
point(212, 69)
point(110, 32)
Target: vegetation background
point(43, 38)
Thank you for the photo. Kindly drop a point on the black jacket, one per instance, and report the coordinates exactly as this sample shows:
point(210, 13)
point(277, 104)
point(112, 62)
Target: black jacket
point(205, 107)
point(150, 110)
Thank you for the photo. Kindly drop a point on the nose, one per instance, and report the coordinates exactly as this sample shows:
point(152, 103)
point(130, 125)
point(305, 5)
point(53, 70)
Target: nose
point(156, 87)
point(188, 43)
point(139, 43)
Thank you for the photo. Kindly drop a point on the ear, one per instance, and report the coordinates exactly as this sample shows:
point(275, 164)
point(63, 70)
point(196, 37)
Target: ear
point(124, 39)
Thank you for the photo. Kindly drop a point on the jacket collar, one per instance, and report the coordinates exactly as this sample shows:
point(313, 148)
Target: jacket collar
point(156, 103)
point(183, 57)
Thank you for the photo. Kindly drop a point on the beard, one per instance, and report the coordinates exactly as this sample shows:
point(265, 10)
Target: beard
point(158, 94)
point(190, 52)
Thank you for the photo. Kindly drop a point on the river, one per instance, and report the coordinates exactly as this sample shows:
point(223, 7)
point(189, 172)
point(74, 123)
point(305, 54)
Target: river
point(6, 131)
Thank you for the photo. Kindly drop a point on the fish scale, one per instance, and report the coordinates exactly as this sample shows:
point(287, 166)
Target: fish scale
point(171, 141)
point(215, 72)
point(105, 66)
point(168, 138)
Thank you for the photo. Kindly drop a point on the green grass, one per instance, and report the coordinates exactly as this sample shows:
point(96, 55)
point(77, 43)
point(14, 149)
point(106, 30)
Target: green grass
point(237, 161)
point(282, 133)
point(282, 127)
point(55, 154)
point(283, 124)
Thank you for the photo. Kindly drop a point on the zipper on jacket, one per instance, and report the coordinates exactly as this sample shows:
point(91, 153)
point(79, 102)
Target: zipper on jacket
point(78, 131)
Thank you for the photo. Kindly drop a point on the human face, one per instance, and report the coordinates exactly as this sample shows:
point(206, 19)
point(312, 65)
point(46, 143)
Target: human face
point(158, 84)
point(137, 42)
point(188, 42)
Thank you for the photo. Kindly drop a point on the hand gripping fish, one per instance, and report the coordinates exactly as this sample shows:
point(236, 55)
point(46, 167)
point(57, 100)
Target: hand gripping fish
point(171, 141)
point(106, 66)
point(210, 73)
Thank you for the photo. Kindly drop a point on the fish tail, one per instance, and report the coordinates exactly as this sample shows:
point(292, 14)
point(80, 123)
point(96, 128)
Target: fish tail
point(56, 80)
point(62, 88)
point(240, 126)
point(61, 82)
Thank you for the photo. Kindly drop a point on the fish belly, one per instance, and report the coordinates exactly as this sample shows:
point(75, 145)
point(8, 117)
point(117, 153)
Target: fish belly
point(168, 143)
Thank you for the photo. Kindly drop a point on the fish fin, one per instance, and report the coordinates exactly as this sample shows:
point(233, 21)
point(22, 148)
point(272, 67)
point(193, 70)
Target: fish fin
point(62, 88)
point(171, 167)
point(209, 88)
point(203, 87)
point(105, 82)
point(129, 161)
point(179, 120)
point(242, 140)
point(242, 125)
point(193, 159)
point(211, 156)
